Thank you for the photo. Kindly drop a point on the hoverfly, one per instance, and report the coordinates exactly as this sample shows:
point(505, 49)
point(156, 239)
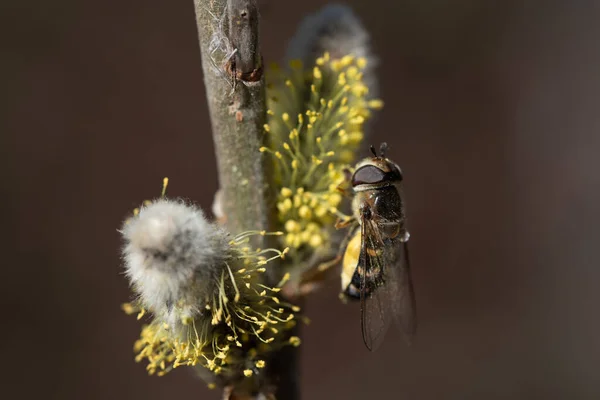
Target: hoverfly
point(375, 267)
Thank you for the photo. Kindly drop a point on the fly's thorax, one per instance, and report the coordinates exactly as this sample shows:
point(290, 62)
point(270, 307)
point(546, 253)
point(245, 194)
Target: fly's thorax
point(385, 207)
point(388, 211)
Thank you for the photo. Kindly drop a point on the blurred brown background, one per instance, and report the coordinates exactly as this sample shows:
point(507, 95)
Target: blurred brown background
point(491, 110)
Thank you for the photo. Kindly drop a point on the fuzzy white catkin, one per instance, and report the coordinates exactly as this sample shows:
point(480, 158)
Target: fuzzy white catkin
point(173, 256)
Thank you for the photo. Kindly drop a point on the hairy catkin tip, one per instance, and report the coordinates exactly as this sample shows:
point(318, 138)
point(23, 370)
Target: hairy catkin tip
point(172, 254)
point(334, 29)
point(153, 232)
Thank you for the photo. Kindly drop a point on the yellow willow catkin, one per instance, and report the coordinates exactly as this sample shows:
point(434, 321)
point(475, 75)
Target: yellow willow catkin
point(316, 118)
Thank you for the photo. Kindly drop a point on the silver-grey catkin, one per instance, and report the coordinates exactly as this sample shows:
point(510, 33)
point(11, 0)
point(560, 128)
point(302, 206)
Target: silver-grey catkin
point(173, 258)
point(337, 30)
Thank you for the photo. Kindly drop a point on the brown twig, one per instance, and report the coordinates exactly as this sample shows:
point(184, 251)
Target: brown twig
point(228, 32)
point(237, 116)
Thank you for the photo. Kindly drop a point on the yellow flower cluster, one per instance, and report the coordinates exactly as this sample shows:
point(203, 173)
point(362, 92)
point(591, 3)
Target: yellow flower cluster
point(236, 328)
point(315, 124)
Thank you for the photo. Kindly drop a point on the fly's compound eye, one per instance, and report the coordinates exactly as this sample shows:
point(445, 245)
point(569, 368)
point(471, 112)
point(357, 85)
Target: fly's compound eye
point(367, 174)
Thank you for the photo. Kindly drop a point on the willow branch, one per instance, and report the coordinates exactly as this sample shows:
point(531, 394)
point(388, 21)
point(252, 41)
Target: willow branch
point(228, 32)
point(233, 76)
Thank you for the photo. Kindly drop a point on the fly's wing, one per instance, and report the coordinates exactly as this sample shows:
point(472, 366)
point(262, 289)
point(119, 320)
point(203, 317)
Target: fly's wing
point(376, 313)
point(399, 282)
point(386, 290)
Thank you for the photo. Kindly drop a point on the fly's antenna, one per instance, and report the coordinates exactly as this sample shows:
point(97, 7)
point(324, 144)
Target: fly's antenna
point(383, 148)
point(373, 150)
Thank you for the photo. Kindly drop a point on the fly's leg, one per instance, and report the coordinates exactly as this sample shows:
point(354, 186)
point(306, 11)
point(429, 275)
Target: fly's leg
point(326, 265)
point(344, 221)
point(315, 276)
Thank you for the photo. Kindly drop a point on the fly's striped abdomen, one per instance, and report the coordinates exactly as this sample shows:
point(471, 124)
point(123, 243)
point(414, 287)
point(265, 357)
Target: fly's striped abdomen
point(373, 276)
